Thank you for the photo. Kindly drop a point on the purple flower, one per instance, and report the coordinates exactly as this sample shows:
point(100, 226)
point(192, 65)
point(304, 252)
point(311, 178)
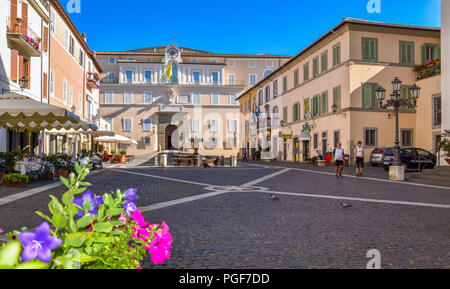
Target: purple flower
point(98, 201)
point(129, 207)
point(92, 200)
point(39, 244)
point(130, 195)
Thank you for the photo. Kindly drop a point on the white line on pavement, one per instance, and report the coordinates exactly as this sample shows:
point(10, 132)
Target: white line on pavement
point(163, 178)
point(181, 201)
point(254, 182)
point(359, 178)
point(442, 206)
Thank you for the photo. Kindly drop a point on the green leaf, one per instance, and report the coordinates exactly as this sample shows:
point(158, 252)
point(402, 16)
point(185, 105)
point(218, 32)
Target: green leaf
point(85, 221)
point(102, 238)
point(10, 254)
point(55, 207)
point(33, 265)
point(87, 205)
point(103, 227)
point(108, 200)
point(114, 212)
point(86, 184)
point(77, 168)
point(88, 250)
point(75, 240)
point(59, 221)
point(67, 198)
point(79, 191)
point(117, 233)
point(65, 181)
point(116, 223)
point(47, 218)
point(72, 226)
point(101, 212)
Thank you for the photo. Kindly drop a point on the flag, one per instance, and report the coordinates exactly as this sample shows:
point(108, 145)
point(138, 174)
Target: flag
point(258, 112)
point(307, 112)
point(169, 71)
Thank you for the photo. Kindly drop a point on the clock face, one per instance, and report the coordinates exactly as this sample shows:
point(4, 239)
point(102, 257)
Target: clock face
point(172, 53)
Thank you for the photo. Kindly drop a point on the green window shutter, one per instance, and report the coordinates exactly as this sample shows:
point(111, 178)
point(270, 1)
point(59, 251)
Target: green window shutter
point(337, 97)
point(315, 66)
point(285, 112)
point(324, 103)
point(296, 78)
point(403, 58)
point(306, 72)
point(373, 49)
point(365, 50)
point(367, 96)
point(410, 50)
point(437, 52)
point(324, 62)
point(424, 54)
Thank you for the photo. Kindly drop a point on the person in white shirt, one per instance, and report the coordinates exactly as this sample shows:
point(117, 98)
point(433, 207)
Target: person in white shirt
point(359, 159)
point(338, 156)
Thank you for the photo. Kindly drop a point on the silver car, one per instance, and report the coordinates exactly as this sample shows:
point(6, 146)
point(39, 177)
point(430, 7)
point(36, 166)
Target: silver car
point(377, 156)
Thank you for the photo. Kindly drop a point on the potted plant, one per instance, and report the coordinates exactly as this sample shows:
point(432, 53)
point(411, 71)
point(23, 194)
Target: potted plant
point(61, 163)
point(444, 146)
point(14, 180)
point(123, 156)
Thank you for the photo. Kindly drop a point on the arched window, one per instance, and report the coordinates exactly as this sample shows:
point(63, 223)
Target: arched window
point(267, 72)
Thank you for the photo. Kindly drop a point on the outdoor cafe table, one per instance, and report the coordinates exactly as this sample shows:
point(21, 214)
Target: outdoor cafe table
point(24, 166)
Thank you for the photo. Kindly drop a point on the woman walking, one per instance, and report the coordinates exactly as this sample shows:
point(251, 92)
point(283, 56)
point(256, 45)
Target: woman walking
point(359, 159)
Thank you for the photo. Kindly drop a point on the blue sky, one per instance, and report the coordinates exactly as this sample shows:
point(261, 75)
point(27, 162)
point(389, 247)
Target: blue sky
point(233, 26)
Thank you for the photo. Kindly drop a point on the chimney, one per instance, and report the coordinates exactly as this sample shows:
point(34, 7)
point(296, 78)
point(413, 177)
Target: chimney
point(83, 35)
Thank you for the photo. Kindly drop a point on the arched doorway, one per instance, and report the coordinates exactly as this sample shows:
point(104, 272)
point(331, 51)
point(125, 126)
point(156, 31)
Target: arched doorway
point(170, 129)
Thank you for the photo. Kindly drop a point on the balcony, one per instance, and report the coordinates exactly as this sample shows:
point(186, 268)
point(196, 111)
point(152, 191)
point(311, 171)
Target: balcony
point(429, 69)
point(93, 80)
point(22, 38)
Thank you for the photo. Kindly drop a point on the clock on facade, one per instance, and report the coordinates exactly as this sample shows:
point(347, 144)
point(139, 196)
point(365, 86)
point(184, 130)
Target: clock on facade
point(173, 53)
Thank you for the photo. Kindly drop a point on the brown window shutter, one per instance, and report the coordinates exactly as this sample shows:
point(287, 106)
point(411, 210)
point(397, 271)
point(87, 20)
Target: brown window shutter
point(28, 72)
point(25, 19)
point(21, 67)
point(13, 13)
point(44, 85)
point(45, 40)
point(14, 55)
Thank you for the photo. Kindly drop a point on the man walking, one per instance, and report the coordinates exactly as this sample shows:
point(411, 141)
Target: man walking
point(359, 157)
point(244, 155)
point(338, 156)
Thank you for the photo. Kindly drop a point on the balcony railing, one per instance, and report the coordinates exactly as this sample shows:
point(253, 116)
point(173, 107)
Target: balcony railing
point(93, 80)
point(429, 69)
point(115, 80)
point(23, 37)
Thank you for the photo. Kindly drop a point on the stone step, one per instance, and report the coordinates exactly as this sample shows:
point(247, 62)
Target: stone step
point(435, 177)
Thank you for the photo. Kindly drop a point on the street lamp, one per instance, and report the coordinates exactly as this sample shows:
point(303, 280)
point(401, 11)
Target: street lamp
point(396, 102)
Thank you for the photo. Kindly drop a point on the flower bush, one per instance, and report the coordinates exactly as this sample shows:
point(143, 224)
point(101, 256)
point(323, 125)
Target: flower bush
point(89, 232)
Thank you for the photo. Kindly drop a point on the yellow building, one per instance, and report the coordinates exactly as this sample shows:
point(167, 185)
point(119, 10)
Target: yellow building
point(326, 93)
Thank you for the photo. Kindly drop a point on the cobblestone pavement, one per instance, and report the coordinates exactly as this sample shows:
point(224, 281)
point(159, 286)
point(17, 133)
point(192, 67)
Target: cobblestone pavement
point(231, 221)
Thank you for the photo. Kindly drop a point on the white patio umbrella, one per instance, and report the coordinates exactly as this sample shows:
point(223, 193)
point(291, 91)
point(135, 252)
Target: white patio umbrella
point(117, 138)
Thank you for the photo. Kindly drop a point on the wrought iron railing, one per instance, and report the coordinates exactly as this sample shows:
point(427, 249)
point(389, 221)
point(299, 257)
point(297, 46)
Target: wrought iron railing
point(17, 26)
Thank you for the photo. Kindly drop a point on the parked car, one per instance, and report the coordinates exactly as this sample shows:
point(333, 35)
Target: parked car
point(412, 158)
point(378, 154)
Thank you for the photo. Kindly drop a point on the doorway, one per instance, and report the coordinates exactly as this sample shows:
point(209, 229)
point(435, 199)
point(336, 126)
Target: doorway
point(305, 150)
point(170, 129)
point(296, 150)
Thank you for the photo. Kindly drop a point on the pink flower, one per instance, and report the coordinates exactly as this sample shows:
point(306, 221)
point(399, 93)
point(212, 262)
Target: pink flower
point(141, 234)
point(160, 247)
point(1, 231)
point(138, 268)
point(122, 218)
point(90, 228)
point(139, 219)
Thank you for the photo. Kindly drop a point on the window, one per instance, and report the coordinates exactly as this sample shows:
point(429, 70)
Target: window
point(127, 124)
point(109, 97)
point(129, 76)
point(233, 100)
point(195, 125)
point(324, 102)
point(184, 98)
point(324, 62)
point(269, 63)
point(267, 93)
point(112, 60)
point(305, 72)
point(232, 125)
point(70, 95)
point(275, 89)
point(148, 59)
point(230, 63)
point(430, 52)
point(148, 76)
point(315, 106)
point(267, 72)
point(196, 77)
point(72, 45)
point(437, 111)
point(260, 97)
point(80, 103)
point(296, 81)
point(285, 116)
point(316, 66)
point(337, 97)
point(194, 60)
point(337, 137)
point(252, 79)
point(147, 125)
point(296, 112)
point(231, 79)
point(405, 93)
point(195, 98)
point(147, 140)
point(336, 54)
point(81, 58)
point(128, 97)
point(370, 49)
point(369, 97)
point(370, 137)
point(64, 91)
point(407, 137)
point(214, 98)
point(213, 61)
point(52, 83)
point(53, 20)
point(148, 97)
point(252, 63)
point(406, 52)
point(111, 78)
point(109, 120)
point(316, 141)
point(131, 59)
point(66, 38)
point(213, 125)
point(285, 88)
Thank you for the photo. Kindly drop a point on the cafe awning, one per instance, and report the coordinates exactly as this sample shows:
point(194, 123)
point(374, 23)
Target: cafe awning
point(115, 139)
point(17, 111)
point(86, 132)
point(305, 136)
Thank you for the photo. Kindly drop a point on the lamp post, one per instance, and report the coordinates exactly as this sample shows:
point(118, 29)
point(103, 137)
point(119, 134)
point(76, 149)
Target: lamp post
point(396, 171)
